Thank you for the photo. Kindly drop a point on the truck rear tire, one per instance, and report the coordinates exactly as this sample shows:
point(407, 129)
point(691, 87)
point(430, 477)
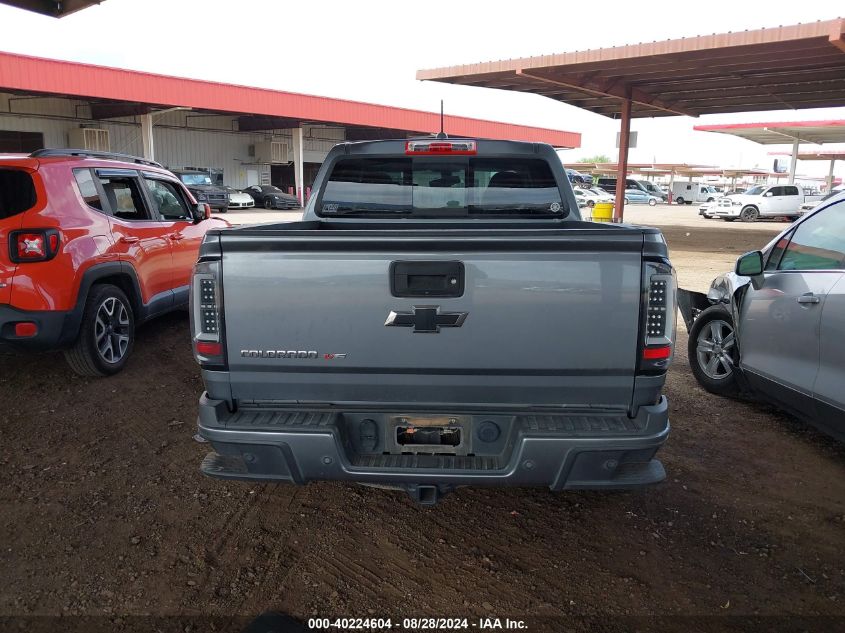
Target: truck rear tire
point(712, 351)
point(679, 200)
point(106, 334)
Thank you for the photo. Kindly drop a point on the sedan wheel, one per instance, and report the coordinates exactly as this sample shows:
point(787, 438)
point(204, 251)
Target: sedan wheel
point(652, 202)
point(712, 351)
point(268, 204)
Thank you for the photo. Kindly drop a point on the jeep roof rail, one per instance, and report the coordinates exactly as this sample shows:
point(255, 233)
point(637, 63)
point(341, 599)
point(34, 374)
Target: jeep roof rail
point(87, 153)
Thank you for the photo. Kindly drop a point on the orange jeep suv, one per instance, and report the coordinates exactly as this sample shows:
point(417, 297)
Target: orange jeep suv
point(91, 245)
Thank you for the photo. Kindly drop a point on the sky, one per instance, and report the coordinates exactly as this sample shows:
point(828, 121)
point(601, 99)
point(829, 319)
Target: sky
point(370, 51)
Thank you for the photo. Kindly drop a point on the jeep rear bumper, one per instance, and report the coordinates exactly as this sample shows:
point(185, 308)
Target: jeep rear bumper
point(53, 329)
point(577, 450)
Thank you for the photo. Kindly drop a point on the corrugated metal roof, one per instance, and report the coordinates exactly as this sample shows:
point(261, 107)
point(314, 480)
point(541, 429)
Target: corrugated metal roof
point(54, 8)
point(20, 73)
point(783, 132)
point(788, 67)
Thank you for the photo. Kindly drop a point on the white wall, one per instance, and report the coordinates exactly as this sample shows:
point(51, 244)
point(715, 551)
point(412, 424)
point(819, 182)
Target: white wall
point(177, 141)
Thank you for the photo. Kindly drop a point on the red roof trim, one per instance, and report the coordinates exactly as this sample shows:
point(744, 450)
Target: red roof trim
point(51, 76)
point(775, 125)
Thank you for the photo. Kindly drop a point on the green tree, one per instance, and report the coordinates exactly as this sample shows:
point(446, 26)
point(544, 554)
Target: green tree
point(598, 158)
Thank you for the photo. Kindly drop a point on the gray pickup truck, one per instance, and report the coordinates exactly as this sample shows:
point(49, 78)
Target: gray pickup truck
point(441, 317)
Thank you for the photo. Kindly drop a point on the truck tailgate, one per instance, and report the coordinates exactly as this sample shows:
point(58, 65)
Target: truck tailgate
point(545, 317)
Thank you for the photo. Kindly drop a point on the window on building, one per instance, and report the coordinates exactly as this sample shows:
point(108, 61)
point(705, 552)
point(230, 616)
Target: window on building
point(20, 142)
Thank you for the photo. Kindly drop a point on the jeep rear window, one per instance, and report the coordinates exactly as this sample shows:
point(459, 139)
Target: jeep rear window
point(17, 192)
point(441, 187)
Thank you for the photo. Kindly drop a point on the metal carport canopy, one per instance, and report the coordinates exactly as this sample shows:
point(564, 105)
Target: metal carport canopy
point(54, 8)
point(787, 67)
point(781, 133)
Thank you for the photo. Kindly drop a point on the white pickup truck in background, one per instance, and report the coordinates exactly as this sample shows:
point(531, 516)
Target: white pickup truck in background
point(761, 201)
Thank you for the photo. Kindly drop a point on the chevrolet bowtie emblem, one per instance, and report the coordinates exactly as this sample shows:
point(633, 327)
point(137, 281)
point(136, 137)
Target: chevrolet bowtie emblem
point(426, 319)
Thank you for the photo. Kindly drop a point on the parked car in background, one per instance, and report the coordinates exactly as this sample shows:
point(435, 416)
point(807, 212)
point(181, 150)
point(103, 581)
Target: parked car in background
point(776, 325)
point(271, 197)
point(577, 178)
point(203, 188)
point(604, 196)
point(762, 201)
point(708, 209)
point(94, 244)
point(609, 184)
point(238, 199)
point(582, 199)
point(689, 192)
point(638, 196)
point(591, 197)
point(653, 189)
point(809, 206)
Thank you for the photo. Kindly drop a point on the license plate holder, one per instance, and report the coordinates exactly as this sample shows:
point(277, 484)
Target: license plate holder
point(429, 434)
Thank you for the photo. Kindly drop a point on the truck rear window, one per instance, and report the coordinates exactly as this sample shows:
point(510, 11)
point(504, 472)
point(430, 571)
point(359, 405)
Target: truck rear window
point(17, 192)
point(441, 187)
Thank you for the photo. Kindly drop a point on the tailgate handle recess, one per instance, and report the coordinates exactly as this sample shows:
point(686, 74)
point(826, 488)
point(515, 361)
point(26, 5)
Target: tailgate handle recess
point(427, 279)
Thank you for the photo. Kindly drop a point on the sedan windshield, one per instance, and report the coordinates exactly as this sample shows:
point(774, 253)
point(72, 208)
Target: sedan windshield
point(441, 186)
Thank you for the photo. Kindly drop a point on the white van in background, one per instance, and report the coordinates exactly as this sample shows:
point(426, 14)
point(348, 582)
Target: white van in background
point(689, 192)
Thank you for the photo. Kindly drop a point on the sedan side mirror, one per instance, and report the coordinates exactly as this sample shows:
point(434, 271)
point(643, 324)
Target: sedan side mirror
point(751, 265)
point(200, 212)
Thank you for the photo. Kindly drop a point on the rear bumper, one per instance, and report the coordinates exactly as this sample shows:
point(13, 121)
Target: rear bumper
point(53, 329)
point(560, 451)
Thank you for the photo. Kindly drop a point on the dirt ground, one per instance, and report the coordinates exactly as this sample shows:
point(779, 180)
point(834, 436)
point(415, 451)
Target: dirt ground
point(104, 512)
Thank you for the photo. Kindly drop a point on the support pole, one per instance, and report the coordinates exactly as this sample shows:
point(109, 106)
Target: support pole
point(147, 136)
point(622, 162)
point(830, 175)
point(671, 186)
point(793, 162)
point(299, 165)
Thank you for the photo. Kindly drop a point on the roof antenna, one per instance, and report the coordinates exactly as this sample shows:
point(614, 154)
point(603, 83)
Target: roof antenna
point(441, 134)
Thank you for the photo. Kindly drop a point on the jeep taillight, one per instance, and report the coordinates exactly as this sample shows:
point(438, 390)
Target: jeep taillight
point(658, 318)
point(206, 305)
point(33, 245)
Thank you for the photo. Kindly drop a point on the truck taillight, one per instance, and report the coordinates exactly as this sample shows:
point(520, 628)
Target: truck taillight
point(658, 317)
point(33, 245)
point(207, 314)
point(460, 148)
